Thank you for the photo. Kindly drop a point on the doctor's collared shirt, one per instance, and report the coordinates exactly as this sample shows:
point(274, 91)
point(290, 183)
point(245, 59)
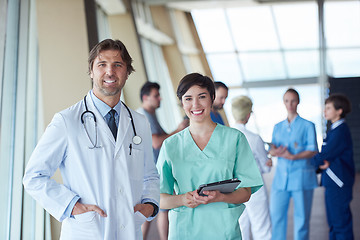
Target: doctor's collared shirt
point(104, 109)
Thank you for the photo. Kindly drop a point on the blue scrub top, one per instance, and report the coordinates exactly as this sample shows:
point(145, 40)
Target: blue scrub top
point(216, 117)
point(299, 135)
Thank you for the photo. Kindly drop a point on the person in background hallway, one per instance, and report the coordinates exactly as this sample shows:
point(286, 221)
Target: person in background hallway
point(204, 152)
point(221, 93)
point(150, 98)
point(294, 143)
point(255, 220)
point(338, 168)
point(110, 182)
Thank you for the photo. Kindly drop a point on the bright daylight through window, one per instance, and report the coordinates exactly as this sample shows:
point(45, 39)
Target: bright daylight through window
point(249, 46)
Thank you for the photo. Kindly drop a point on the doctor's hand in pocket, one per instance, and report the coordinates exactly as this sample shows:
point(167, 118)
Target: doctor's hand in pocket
point(80, 208)
point(145, 209)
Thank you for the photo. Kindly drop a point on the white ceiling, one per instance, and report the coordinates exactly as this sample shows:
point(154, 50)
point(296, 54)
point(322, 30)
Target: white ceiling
point(188, 5)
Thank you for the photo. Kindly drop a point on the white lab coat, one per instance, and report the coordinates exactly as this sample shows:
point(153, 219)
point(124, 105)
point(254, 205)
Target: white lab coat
point(255, 220)
point(108, 177)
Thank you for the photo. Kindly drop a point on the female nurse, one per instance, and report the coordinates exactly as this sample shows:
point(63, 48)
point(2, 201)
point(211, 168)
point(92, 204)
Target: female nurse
point(204, 152)
point(294, 143)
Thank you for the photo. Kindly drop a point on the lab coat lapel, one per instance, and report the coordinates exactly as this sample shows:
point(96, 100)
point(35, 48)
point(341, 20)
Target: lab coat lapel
point(103, 128)
point(123, 128)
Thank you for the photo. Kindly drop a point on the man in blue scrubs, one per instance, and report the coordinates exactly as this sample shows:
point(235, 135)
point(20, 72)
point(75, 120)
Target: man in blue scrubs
point(221, 93)
point(294, 143)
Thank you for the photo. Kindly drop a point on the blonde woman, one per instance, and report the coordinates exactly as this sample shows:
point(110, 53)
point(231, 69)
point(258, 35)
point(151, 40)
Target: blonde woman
point(255, 220)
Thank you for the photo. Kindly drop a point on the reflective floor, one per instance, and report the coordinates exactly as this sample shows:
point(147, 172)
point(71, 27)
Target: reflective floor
point(318, 223)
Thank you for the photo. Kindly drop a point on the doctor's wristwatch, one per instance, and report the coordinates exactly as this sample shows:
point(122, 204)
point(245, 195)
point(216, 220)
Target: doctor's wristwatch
point(156, 208)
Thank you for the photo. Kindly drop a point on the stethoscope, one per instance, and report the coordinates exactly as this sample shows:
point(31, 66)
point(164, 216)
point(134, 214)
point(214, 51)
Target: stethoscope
point(136, 139)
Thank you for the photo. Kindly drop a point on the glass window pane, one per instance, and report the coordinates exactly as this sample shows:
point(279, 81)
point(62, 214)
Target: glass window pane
point(344, 62)
point(225, 68)
point(342, 24)
point(301, 64)
point(253, 28)
point(213, 30)
point(297, 25)
point(262, 66)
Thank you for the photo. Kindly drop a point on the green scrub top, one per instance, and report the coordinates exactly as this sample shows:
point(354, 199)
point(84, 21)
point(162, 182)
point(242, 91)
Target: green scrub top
point(183, 167)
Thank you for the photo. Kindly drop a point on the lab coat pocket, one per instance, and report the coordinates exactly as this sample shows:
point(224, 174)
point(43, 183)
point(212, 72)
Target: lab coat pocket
point(85, 217)
point(86, 225)
point(139, 218)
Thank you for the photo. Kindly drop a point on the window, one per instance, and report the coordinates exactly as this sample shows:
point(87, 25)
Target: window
point(19, 123)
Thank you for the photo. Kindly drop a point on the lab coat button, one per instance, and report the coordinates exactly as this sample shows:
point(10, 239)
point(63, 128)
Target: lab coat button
point(122, 226)
point(120, 190)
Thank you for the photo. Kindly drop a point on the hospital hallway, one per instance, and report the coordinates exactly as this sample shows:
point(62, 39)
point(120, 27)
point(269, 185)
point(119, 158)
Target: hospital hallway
point(318, 223)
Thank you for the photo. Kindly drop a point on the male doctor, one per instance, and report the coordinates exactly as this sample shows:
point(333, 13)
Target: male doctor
point(103, 150)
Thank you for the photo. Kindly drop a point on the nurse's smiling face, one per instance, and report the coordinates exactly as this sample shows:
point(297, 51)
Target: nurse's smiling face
point(197, 103)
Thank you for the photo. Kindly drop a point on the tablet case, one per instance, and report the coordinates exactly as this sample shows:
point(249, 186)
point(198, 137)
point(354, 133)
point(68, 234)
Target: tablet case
point(226, 186)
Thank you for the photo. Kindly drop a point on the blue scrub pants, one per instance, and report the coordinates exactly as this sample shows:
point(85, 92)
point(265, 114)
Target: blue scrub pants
point(338, 213)
point(279, 205)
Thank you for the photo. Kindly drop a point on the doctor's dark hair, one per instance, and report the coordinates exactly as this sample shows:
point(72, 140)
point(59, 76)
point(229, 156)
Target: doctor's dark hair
point(110, 44)
point(195, 79)
point(219, 84)
point(340, 101)
point(147, 87)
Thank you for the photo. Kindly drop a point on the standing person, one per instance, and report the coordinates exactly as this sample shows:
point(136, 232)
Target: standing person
point(150, 98)
point(103, 150)
point(255, 220)
point(294, 143)
point(221, 93)
point(205, 152)
point(338, 175)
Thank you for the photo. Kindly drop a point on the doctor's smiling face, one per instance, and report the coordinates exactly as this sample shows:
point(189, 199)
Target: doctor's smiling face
point(109, 74)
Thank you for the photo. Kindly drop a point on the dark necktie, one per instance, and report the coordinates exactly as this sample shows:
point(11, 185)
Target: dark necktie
point(112, 123)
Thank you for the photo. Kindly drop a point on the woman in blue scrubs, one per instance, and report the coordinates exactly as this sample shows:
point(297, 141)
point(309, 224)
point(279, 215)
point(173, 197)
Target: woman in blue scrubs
point(294, 143)
point(204, 152)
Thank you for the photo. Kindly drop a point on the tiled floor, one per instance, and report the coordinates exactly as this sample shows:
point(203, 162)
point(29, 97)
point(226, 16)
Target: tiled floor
point(319, 228)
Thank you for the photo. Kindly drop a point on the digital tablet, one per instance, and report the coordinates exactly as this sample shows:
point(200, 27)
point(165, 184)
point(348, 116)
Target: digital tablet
point(226, 186)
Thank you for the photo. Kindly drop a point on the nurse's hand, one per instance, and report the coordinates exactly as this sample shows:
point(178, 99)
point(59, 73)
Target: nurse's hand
point(276, 151)
point(188, 199)
point(80, 208)
point(212, 196)
point(286, 154)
